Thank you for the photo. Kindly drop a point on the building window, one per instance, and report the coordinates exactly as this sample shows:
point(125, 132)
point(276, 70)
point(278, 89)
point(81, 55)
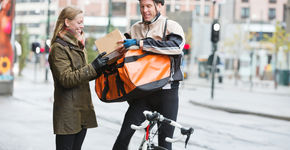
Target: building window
point(245, 12)
point(272, 1)
point(52, 12)
point(206, 10)
point(36, 1)
point(177, 7)
point(119, 9)
point(27, 1)
point(21, 1)
point(34, 12)
point(259, 36)
point(285, 10)
point(197, 10)
point(21, 13)
point(272, 13)
point(245, 1)
point(33, 25)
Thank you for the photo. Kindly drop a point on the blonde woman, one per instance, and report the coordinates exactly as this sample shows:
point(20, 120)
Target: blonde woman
point(73, 111)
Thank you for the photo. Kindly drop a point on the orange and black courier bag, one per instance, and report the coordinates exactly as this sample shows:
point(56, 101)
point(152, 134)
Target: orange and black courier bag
point(135, 74)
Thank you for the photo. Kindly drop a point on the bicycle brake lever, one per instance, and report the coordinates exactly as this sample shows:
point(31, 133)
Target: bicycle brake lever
point(190, 131)
point(186, 141)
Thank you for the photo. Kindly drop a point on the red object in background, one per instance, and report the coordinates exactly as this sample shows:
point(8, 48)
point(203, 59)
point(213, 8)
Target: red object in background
point(187, 46)
point(8, 28)
point(6, 50)
point(42, 50)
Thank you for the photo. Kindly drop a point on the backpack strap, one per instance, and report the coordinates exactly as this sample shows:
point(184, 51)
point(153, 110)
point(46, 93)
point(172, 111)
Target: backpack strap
point(164, 32)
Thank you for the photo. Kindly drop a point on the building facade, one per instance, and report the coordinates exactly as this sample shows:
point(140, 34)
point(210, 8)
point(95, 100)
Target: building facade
point(33, 15)
point(127, 12)
point(258, 16)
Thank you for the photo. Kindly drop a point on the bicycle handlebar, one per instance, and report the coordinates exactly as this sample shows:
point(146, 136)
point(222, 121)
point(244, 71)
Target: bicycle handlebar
point(155, 116)
point(184, 132)
point(172, 140)
point(151, 116)
point(142, 126)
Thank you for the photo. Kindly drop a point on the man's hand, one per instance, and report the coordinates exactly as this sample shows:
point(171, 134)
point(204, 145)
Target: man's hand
point(129, 42)
point(100, 62)
point(121, 49)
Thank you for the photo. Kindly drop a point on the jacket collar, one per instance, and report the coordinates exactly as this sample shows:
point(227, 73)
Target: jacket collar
point(160, 17)
point(153, 20)
point(70, 37)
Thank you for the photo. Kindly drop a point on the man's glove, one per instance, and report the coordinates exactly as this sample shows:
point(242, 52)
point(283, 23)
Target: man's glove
point(129, 42)
point(100, 62)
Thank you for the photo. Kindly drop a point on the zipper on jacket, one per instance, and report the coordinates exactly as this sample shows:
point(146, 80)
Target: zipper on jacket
point(147, 31)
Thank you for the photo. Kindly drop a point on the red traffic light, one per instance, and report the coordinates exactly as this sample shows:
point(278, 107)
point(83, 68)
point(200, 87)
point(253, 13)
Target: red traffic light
point(187, 46)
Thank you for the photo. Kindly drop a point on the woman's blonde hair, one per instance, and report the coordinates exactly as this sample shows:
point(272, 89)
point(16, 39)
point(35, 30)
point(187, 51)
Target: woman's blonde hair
point(66, 13)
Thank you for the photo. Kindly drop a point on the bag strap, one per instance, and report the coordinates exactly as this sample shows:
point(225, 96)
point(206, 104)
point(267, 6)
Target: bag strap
point(64, 43)
point(106, 88)
point(135, 58)
point(120, 84)
point(164, 32)
point(61, 41)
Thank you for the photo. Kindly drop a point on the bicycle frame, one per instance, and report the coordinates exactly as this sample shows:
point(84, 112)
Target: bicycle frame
point(147, 141)
point(149, 136)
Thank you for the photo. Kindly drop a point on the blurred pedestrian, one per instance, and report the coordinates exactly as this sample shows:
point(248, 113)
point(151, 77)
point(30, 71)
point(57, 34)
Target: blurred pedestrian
point(73, 111)
point(158, 35)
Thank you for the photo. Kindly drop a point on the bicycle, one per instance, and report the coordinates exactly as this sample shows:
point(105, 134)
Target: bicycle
point(152, 118)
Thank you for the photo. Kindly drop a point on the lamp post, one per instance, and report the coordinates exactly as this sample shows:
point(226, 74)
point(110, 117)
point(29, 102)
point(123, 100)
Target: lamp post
point(109, 16)
point(47, 39)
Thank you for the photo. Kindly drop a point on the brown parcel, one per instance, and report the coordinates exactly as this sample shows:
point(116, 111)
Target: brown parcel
point(108, 44)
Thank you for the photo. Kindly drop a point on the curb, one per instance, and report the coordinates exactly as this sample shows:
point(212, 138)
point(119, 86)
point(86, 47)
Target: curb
point(238, 111)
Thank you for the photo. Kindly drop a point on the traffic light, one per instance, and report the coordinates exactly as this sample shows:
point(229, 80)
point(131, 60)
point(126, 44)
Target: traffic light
point(186, 49)
point(47, 46)
point(215, 31)
point(35, 47)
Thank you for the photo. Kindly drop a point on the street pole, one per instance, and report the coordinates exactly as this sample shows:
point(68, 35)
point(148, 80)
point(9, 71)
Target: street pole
point(47, 38)
point(213, 69)
point(109, 16)
point(214, 39)
point(251, 71)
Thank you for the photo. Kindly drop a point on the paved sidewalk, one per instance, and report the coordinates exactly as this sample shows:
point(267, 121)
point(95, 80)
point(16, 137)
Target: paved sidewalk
point(28, 115)
point(261, 100)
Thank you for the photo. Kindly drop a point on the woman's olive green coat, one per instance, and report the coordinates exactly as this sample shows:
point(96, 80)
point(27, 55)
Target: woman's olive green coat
point(73, 108)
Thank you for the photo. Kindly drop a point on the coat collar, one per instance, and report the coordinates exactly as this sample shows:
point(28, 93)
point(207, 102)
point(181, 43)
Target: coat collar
point(71, 38)
point(155, 22)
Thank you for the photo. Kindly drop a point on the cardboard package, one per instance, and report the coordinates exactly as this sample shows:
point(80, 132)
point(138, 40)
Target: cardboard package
point(109, 44)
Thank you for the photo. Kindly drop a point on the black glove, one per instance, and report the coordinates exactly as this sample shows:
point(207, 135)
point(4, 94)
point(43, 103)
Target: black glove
point(100, 62)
